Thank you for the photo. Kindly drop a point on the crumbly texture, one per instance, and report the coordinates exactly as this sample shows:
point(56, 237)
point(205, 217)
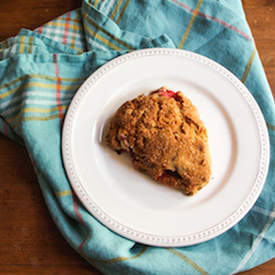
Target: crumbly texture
point(165, 138)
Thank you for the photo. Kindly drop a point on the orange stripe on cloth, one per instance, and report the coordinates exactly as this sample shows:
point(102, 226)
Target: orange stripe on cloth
point(221, 22)
point(76, 210)
point(66, 29)
point(40, 29)
point(79, 217)
point(75, 20)
point(80, 247)
point(58, 88)
point(195, 13)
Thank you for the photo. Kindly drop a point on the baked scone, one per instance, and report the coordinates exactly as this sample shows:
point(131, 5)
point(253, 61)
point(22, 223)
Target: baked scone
point(165, 138)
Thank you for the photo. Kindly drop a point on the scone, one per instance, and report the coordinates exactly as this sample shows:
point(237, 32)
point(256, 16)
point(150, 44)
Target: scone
point(165, 138)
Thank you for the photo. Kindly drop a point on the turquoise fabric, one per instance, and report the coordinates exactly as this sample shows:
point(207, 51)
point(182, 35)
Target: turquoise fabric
point(41, 70)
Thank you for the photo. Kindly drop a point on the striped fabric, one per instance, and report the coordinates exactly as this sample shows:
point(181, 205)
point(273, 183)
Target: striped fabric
point(41, 70)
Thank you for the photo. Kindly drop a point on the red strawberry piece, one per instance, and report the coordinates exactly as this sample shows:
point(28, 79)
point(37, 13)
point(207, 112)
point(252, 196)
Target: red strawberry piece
point(167, 93)
point(162, 176)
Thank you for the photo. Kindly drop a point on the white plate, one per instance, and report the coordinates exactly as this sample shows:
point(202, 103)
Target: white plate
point(129, 202)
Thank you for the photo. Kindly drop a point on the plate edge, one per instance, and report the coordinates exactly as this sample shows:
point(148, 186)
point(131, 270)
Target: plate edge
point(146, 238)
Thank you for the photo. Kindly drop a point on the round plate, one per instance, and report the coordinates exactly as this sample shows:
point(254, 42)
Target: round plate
point(129, 202)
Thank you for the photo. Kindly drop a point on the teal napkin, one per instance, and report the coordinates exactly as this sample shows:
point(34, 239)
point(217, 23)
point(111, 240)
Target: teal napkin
point(41, 70)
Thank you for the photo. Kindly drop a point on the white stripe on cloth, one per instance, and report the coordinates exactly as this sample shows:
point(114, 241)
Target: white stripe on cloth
point(109, 7)
point(18, 98)
point(41, 93)
point(256, 243)
point(54, 30)
point(103, 4)
point(13, 49)
point(263, 211)
point(97, 45)
point(4, 53)
point(48, 103)
point(49, 33)
point(57, 35)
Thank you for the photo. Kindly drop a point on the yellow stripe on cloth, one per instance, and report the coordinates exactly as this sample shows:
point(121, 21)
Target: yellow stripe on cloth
point(101, 38)
point(43, 110)
point(10, 92)
point(248, 66)
point(22, 44)
point(122, 11)
point(90, 21)
point(38, 85)
point(41, 118)
point(30, 44)
point(64, 193)
point(96, 3)
point(79, 50)
point(116, 9)
point(53, 78)
point(33, 118)
point(59, 24)
point(195, 13)
point(120, 259)
point(36, 110)
point(3, 44)
point(73, 41)
point(270, 126)
point(6, 85)
point(187, 260)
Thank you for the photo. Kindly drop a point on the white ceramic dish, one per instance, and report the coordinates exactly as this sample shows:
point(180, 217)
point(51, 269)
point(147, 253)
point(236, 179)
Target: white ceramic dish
point(130, 203)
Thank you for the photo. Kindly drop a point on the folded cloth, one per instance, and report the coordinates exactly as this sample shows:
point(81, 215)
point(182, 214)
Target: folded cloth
point(41, 70)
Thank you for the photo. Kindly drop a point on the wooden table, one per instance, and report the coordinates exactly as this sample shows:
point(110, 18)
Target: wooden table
point(29, 241)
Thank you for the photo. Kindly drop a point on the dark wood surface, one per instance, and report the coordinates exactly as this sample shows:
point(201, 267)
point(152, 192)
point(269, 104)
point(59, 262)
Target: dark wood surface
point(29, 241)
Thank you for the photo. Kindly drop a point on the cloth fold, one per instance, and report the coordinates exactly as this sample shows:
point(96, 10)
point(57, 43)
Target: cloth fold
point(41, 70)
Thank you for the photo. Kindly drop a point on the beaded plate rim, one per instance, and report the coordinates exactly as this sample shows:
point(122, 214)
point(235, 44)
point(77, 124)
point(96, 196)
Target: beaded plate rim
point(142, 237)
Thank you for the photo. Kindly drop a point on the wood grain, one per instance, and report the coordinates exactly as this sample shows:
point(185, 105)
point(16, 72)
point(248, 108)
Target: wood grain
point(261, 18)
point(29, 241)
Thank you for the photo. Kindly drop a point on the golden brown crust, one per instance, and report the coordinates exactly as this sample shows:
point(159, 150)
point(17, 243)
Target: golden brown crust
point(166, 139)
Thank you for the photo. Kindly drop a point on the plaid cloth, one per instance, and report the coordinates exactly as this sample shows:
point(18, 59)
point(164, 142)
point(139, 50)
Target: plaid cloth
point(41, 70)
